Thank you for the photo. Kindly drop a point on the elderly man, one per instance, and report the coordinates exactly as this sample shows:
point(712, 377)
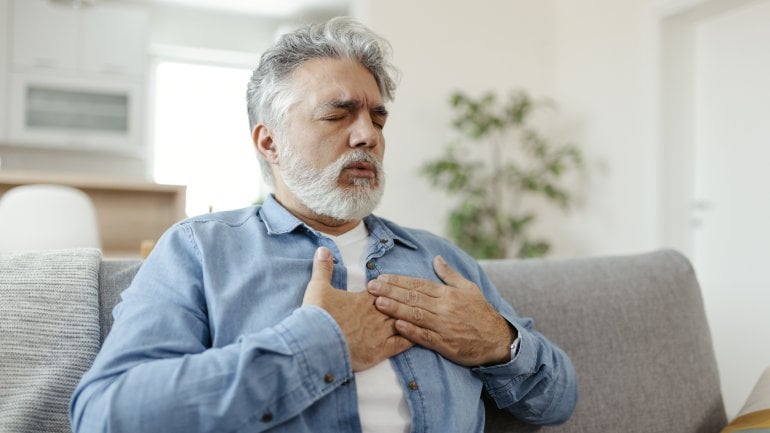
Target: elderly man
point(309, 314)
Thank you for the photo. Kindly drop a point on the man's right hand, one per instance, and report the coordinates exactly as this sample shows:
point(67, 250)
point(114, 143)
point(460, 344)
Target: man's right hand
point(370, 335)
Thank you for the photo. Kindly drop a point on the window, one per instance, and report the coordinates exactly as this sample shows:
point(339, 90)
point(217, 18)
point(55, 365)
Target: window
point(201, 136)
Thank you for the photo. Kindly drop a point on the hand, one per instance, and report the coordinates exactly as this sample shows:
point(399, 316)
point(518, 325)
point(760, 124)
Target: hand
point(453, 319)
point(370, 335)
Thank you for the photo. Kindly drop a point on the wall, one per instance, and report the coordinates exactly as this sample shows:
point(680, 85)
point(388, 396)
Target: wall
point(204, 29)
point(3, 70)
point(595, 58)
point(442, 46)
point(607, 77)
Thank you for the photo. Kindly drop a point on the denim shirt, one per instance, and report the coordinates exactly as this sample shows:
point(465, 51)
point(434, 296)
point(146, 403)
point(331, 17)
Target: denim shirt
point(211, 336)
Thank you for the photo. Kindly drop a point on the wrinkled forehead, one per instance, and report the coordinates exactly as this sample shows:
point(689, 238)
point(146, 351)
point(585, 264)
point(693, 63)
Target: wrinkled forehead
point(321, 81)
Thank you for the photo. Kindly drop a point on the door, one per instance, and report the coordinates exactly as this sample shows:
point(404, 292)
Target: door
point(731, 220)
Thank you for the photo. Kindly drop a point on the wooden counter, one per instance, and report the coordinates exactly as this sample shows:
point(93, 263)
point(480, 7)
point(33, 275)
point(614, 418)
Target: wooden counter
point(128, 211)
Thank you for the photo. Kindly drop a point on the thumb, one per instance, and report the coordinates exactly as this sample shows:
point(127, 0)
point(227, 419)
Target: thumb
point(449, 276)
point(323, 266)
point(321, 277)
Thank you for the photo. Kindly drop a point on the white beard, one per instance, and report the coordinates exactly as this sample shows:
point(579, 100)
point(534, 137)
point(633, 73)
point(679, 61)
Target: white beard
point(318, 190)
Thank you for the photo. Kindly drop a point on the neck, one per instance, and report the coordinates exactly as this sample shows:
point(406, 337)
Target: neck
point(322, 223)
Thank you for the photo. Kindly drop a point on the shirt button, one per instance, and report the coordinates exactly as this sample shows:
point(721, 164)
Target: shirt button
point(413, 385)
point(328, 378)
point(383, 241)
point(267, 417)
point(370, 265)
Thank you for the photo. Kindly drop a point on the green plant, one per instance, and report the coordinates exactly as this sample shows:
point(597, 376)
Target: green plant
point(499, 159)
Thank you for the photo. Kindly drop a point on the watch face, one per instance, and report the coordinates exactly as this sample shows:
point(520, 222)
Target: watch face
point(515, 347)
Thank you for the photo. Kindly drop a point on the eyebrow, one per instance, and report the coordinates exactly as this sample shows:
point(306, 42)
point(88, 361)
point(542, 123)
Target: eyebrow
point(351, 105)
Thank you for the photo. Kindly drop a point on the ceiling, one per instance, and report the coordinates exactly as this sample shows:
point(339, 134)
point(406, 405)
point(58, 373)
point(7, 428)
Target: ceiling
point(272, 8)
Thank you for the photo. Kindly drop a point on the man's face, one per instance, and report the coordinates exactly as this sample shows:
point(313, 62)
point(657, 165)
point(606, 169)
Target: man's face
point(331, 143)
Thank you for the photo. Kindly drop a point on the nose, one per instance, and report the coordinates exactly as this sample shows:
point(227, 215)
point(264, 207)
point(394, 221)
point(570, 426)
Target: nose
point(364, 133)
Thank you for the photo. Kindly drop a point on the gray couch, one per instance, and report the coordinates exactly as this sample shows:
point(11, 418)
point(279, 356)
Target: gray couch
point(633, 325)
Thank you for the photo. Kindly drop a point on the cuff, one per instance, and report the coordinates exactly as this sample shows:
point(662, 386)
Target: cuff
point(499, 379)
point(322, 353)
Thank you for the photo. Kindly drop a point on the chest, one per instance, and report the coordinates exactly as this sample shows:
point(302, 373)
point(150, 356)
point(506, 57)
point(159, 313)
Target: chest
point(249, 293)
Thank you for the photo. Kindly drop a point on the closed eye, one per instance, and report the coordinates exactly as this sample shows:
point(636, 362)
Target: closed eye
point(334, 117)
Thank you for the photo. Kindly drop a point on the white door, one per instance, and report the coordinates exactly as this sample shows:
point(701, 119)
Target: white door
point(732, 190)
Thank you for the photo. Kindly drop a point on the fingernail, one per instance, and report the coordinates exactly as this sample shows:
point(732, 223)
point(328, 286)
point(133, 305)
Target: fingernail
point(441, 260)
point(374, 286)
point(322, 253)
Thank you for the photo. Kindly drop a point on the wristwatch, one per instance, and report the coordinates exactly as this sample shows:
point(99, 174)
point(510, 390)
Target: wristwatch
point(515, 347)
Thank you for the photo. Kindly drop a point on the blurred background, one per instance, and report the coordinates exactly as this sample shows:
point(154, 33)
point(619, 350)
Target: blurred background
point(667, 101)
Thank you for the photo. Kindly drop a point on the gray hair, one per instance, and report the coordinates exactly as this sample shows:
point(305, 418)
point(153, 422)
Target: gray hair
point(269, 95)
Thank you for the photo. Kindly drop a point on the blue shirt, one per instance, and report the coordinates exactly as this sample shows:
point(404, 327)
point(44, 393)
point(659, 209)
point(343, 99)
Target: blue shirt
point(211, 337)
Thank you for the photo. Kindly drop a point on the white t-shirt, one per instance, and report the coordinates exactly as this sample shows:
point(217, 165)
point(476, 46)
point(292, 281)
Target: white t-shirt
point(382, 406)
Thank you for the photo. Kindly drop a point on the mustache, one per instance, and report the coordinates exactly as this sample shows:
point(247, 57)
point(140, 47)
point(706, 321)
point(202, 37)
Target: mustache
point(357, 156)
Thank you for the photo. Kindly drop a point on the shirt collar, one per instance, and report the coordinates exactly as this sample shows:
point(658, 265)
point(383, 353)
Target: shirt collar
point(278, 220)
point(379, 228)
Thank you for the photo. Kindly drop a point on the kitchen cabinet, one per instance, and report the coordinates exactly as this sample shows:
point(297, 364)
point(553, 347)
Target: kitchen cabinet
point(76, 113)
point(44, 35)
point(4, 36)
point(76, 77)
point(114, 40)
point(105, 38)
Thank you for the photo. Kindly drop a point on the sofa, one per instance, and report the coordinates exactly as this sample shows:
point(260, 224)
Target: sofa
point(633, 325)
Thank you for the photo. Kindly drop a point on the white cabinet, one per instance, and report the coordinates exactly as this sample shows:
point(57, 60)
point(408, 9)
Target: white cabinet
point(4, 37)
point(75, 77)
point(103, 39)
point(114, 40)
point(83, 113)
point(44, 35)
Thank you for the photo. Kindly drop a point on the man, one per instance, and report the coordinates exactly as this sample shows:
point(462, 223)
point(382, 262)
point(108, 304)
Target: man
point(309, 314)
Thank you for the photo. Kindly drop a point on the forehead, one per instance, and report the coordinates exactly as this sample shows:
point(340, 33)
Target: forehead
point(324, 79)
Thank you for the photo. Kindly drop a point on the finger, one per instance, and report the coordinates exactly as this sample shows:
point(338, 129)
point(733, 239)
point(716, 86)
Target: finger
point(397, 310)
point(422, 336)
point(449, 276)
point(427, 287)
point(323, 266)
point(411, 297)
point(396, 344)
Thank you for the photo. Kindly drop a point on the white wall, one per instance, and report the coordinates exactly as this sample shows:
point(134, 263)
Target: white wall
point(3, 70)
point(204, 29)
point(597, 59)
point(441, 46)
point(607, 77)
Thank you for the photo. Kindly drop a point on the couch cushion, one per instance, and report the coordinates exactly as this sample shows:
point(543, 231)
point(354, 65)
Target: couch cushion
point(50, 335)
point(636, 331)
point(114, 277)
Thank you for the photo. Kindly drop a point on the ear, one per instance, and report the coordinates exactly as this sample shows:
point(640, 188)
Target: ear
point(263, 142)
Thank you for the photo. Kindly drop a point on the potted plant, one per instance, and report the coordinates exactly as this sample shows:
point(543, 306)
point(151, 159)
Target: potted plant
point(498, 160)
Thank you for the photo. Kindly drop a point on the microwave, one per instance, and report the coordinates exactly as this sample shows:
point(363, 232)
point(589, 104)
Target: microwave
point(75, 112)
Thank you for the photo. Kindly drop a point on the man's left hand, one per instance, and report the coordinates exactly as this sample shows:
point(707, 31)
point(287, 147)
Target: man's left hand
point(453, 319)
